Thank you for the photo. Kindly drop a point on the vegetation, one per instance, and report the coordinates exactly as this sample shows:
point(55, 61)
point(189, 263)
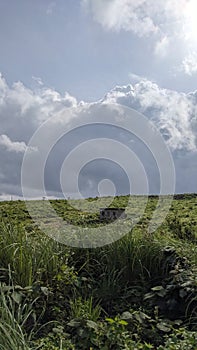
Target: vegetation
point(139, 292)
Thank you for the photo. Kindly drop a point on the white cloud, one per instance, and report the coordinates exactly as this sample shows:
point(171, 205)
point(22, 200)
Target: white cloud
point(13, 146)
point(163, 22)
point(136, 78)
point(38, 81)
point(162, 47)
point(143, 17)
point(172, 112)
point(29, 106)
point(128, 15)
point(189, 65)
point(23, 110)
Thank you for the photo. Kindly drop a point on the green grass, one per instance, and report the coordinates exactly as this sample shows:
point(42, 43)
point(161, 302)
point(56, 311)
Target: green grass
point(59, 297)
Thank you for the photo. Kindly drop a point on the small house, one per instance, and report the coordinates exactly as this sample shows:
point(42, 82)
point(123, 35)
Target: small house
point(112, 213)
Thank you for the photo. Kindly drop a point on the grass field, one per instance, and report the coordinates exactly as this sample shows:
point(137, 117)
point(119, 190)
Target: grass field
point(139, 292)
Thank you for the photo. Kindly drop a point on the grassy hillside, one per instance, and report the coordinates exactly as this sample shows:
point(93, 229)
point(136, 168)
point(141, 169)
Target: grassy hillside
point(139, 292)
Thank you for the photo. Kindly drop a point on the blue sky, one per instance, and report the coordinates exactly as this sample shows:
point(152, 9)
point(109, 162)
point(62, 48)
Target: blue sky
point(66, 44)
point(141, 54)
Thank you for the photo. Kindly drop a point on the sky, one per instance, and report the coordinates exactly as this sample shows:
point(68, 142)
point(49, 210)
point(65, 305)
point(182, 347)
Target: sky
point(64, 55)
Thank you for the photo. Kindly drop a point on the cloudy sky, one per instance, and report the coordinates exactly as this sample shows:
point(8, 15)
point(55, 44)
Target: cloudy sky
point(58, 56)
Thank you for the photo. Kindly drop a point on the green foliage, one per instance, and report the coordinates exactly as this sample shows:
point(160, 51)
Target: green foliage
point(182, 229)
point(84, 309)
point(56, 339)
point(180, 340)
point(177, 296)
point(138, 293)
point(13, 314)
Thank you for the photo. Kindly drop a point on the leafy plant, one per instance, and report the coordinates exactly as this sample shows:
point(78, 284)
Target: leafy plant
point(138, 293)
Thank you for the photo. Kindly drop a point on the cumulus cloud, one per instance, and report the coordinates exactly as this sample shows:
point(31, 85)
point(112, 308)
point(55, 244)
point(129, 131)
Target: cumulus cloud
point(23, 111)
point(12, 146)
point(189, 65)
point(123, 14)
point(143, 17)
point(163, 22)
point(172, 112)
